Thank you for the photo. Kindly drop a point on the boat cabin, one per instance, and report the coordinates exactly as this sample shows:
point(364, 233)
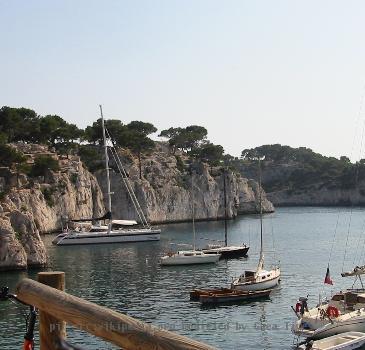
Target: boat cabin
point(348, 300)
point(189, 253)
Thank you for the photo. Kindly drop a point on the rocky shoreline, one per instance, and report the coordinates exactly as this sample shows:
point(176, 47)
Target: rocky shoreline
point(34, 206)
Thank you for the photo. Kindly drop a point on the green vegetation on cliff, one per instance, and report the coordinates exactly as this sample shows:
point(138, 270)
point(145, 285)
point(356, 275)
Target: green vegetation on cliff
point(284, 167)
point(25, 125)
point(296, 168)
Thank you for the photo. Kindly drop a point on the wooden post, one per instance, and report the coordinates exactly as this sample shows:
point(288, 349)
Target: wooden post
point(51, 328)
point(121, 330)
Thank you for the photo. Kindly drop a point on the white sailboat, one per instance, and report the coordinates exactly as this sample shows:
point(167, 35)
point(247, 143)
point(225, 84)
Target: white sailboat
point(117, 231)
point(260, 278)
point(190, 257)
point(344, 312)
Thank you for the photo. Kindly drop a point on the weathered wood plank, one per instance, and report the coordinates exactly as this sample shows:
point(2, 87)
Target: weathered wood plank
point(51, 328)
point(122, 330)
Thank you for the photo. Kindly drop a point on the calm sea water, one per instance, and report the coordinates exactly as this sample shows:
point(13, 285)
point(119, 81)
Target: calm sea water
point(128, 278)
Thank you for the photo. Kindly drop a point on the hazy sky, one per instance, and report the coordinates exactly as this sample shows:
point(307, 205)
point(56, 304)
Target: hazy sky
point(252, 72)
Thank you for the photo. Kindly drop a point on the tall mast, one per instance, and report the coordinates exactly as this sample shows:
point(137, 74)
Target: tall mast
point(225, 207)
point(261, 262)
point(193, 207)
point(107, 169)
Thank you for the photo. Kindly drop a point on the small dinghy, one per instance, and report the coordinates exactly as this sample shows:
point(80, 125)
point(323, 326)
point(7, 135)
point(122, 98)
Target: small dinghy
point(342, 341)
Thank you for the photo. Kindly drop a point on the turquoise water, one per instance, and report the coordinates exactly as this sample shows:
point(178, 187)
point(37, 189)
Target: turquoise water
point(128, 278)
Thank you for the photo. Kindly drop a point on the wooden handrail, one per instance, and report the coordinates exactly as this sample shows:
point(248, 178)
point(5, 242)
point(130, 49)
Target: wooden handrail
point(121, 330)
point(50, 328)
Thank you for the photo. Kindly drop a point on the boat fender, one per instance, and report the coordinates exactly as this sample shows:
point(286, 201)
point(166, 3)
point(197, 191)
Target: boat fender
point(298, 306)
point(332, 311)
point(322, 314)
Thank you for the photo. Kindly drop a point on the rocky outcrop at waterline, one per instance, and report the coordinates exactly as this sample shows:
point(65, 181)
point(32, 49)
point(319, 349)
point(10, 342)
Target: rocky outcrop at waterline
point(31, 206)
point(165, 194)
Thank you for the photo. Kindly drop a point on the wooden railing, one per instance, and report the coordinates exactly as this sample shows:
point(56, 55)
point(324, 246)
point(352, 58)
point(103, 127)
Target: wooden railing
point(58, 308)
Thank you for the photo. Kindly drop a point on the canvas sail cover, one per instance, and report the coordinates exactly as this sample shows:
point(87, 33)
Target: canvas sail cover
point(358, 270)
point(125, 222)
point(106, 216)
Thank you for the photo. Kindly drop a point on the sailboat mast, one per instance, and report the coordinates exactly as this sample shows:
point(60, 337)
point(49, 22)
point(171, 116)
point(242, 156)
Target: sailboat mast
point(225, 207)
point(260, 199)
point(106, 168)
point(193, 208)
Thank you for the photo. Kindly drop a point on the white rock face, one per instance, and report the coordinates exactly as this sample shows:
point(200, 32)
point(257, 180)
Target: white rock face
point(28, 236)
point(12, 253)
point(165, 194)
point(36, 208)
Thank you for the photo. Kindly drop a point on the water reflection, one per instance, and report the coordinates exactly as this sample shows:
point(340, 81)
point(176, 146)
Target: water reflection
point(128, 278)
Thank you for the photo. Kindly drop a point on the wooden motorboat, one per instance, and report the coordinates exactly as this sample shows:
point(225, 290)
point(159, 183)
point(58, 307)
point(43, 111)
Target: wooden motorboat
point(342, 341)
point(196, 293)
point(226, 295)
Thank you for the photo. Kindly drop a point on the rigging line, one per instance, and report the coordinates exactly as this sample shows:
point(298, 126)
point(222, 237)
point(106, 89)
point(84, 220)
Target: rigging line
point(362, 245)
point(127, 184)
point(352, 205)
point(356, 169)
point(362, 97)
point(130, 191)
point(347, 239)
point(359, 245)
point(334, 236)
point(362, 262)
point(249, 235)
point(273, 238)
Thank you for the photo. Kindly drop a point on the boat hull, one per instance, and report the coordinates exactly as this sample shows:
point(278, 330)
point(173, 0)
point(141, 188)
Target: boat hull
point(254, 286)
point(225, 295)
point(190, 260)
point(354, 324)
point(344, 341)
point(228, 252)
point(104, 237)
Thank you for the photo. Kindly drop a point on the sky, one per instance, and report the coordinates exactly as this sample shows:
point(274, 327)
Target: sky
point(252, 72)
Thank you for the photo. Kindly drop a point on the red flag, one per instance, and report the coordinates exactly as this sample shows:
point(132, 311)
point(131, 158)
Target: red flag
point(327, 279)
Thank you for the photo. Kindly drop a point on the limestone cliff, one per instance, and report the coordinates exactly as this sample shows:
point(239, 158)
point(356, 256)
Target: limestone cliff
point(31, 206)
point(319, 195)
point(165, 195)
point(284, 189)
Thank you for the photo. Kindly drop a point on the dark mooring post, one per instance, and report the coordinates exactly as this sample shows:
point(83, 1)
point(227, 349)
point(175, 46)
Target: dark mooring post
point(50, 328)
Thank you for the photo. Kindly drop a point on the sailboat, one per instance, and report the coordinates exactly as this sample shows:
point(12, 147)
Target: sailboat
point(344, 312)
point(226, 251)
point(190, 257)
point(117, 231)
point(260, 278)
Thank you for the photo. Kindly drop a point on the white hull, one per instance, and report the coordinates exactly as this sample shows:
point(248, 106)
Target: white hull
point(258, 285)
point(122, 236)
point(190, 260)
point(344, 341)
point(354, 324)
